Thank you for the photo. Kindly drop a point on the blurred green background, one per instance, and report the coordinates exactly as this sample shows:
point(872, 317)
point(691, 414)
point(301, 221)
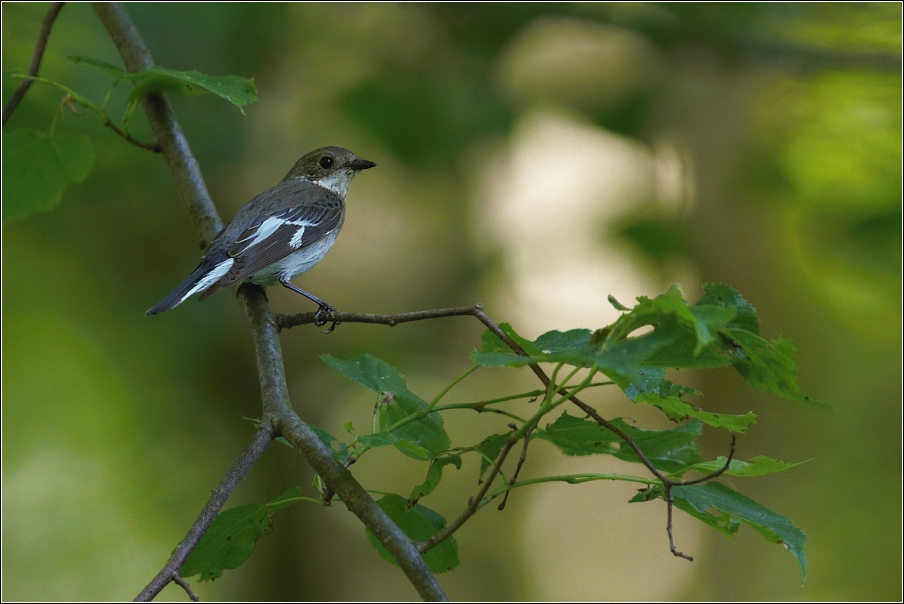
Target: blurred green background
point(532, 157)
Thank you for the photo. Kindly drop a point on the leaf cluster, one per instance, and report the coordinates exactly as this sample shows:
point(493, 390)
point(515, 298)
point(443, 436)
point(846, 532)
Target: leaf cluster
point(719, 330)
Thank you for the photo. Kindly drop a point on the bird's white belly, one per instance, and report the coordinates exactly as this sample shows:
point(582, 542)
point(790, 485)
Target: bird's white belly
point(295, 263)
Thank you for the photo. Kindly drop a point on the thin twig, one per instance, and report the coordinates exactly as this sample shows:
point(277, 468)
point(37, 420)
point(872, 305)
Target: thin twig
point(668, 526)
point(259, 443)
point(184, 585)
point(286, 321)
point(473, 503)
point(36, 58)
point(521, 459)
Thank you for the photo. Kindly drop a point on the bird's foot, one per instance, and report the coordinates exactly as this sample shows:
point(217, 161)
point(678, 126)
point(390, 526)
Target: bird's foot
point(320, 320)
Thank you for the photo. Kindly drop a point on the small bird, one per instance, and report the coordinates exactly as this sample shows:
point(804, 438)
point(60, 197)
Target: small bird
point(281, 233)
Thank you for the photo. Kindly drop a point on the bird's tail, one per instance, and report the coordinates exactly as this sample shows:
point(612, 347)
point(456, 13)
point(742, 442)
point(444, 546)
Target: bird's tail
point(201, 278)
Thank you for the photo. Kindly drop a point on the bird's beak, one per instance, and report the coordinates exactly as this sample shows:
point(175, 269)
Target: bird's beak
point(359, 164)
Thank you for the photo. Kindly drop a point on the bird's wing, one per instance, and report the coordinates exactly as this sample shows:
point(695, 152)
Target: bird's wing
point(301, 216)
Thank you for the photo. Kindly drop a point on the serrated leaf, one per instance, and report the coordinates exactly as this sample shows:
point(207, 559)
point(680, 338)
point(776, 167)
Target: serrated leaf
point(758, 466)
point(768, 366)
point(434, 475)
point(37, 168)
point(419, 523)
point(231, 537)
point(775, 527)
point(668, 450)
point(237, 90)
point(651, 387)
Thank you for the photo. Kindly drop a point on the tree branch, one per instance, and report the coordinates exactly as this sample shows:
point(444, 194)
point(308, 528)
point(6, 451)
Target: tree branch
point(164, 125)
point(336, 476)
point(277, 410)
point(36, 58)
point(259, 443)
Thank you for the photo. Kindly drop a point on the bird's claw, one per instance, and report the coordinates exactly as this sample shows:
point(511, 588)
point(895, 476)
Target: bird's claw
point(320, 321)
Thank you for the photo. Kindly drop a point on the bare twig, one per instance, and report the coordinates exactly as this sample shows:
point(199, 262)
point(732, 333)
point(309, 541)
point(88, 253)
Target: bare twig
point(259, 443)
point(668, 526)
point(184, 585)
point(286, 321)
point(473, 502)
point(36, 58)
point(521, 459)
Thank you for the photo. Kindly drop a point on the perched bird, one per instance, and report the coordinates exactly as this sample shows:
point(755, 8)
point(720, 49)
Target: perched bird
point(281, 233)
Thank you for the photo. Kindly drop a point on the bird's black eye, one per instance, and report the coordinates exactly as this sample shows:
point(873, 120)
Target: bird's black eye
point(326, 163)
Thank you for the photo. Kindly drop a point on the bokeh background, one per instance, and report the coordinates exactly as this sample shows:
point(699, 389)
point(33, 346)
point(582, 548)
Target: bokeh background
point(532, 157)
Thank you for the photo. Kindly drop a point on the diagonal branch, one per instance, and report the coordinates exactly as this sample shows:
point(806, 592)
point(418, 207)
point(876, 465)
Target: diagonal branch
point(259, 443)
point(40, 46)
point(277, 410)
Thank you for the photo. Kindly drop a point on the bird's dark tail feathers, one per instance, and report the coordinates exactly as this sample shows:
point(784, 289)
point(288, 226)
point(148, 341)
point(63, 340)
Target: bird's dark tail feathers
point(194, 281)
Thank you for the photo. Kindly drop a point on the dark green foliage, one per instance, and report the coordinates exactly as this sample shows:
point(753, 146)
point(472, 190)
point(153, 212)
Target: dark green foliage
point(419, 523)
point(231, 538)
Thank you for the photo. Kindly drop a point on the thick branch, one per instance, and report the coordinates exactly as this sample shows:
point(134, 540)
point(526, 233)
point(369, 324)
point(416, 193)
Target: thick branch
point(336, 476)
point(167, 131)
point(36, 58)
point(277, 409)
point(259, 443)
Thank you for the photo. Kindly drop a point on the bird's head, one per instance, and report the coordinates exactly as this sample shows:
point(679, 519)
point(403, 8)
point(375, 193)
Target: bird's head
point(330, 167)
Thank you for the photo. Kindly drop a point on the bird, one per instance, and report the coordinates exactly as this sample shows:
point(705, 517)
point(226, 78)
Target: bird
point(280, 234)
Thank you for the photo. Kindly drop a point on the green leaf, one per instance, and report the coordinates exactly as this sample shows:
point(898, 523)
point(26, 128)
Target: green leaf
point(368, 371)
point(111, 70)
point(668, 450)
point(434, 475)
point(719, 294)
point(419, 523)
point(758, 466)
point(237, 90)
point(427, 434)
point(768, 366)
point(328, 439)
point(489, 449)
point(574, 341)
point(231, 537)
point(37, 167)
point(380, 439)
point(422, 438)
point(773, 526)
point(492, 343)
point(651, 387)
point(524, 343)
point(504, 359)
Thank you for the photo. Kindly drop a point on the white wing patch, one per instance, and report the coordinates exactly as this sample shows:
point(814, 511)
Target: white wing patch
point(295, 241)
point(267, 228)
point(207, 280)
